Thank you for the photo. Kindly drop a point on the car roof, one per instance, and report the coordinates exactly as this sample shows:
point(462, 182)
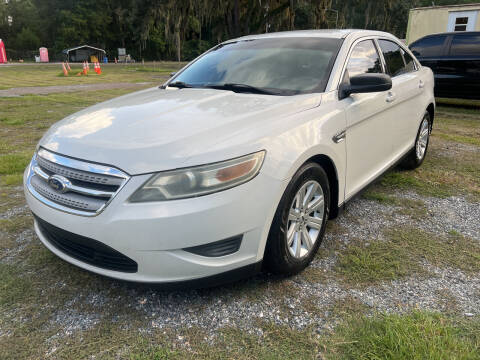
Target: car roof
point(330, 33)
point(449, 33)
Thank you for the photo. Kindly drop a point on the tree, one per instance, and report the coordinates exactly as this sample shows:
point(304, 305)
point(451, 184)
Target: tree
point(182, 29)
point(27, 40)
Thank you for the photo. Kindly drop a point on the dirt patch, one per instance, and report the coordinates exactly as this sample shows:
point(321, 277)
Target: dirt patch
point(45, 90)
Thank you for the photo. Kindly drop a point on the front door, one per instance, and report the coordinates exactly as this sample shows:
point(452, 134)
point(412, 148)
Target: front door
point(368, 147)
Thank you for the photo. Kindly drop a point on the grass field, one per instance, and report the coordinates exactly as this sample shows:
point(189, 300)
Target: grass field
point(52, 74)
point(400, 238)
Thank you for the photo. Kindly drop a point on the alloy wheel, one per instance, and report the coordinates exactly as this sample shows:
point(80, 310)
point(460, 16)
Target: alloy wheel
point(305, 219)
point(422, 140)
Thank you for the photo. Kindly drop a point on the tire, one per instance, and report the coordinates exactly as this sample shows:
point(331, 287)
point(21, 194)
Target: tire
point(417, 155)
point(282, 257)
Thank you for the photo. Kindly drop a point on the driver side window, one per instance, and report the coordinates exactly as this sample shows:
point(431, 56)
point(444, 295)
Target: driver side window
point(364, 59)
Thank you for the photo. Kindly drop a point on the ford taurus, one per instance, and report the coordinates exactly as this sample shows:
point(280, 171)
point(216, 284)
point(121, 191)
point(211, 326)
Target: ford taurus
point(237, 161)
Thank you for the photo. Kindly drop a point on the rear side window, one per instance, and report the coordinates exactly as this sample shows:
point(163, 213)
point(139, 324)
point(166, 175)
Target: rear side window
point(409, 63)
point(364, 59)
point(393, 57)
point(431, 46)
point(465, 45)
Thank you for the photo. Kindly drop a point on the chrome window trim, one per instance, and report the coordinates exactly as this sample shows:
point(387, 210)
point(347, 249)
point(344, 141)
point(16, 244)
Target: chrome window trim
point(34, 169)
point(402, 48)
point(350, 50)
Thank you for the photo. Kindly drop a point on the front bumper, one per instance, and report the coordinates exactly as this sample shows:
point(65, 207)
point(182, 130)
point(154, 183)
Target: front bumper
point(154, 234)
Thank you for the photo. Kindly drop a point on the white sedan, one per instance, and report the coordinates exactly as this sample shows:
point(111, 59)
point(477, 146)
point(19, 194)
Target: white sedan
point(237, 161)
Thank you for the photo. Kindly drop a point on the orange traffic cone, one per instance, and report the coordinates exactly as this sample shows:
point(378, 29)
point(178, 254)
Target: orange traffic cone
point(85, 68)
point(88, 66)
point(65, 72)
point(99, 69)
point(68, 66)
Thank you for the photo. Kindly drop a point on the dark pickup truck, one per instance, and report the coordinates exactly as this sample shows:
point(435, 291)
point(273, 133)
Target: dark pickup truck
point(455, 61)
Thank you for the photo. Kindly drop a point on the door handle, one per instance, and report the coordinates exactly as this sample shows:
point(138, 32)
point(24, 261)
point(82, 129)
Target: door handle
point(390, 97)
point(339, 137)
point(421, 84)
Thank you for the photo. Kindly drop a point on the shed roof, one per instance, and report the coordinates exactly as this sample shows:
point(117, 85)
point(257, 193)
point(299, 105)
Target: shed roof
point(453, 6)
point(66, 51)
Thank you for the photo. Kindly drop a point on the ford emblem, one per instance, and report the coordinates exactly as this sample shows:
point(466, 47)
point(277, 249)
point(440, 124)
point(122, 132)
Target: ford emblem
point(59, 183)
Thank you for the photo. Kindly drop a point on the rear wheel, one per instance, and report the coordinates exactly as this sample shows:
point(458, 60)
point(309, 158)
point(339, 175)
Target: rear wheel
point(299, 222)
point(416, 156)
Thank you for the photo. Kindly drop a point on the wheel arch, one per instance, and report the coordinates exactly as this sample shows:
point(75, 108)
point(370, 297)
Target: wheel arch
point(431, 111)
point(329, 166)
point(322, 157)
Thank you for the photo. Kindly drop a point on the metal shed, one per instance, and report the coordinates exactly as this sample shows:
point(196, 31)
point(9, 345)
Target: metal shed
point(83, 53)
point(446, 18)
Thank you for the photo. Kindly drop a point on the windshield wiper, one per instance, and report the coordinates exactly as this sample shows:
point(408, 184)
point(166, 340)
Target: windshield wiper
point(179, 84)
point(242, 88)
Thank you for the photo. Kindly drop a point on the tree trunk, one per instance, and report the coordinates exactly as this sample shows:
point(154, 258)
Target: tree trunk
point(236, 18)
point(292, 15)
point(367, 14)
point(177, 38)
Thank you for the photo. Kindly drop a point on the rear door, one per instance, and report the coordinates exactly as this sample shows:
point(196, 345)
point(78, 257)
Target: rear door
point(431, 52)
point(368, 149)
point(406, 102)
point(461, 66)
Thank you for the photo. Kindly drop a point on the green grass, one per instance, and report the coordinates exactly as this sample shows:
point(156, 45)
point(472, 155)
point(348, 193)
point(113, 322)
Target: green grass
point(460, 139)
point(458, 125)
point(12, 180)
point(278, 342)
point(361, 265)
point(13, 164)
point(441, 175)
point(16, 224)
point(401, 255)
point(12, 167)
point(48, 75)
point(414, 208)
point(469, 103)
point(13, 287)
point(40, 111)
point(419, 335)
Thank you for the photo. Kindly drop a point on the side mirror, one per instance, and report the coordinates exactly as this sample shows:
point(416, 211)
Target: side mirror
point(365, 83)
point(172, 74)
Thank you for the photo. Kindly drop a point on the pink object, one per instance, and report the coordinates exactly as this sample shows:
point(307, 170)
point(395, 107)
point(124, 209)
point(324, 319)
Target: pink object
point(43, 54)
point(3, 53)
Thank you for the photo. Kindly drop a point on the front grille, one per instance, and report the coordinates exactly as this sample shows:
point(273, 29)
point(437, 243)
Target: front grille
point(79, 187)
point(85, 249)
point(78, 174)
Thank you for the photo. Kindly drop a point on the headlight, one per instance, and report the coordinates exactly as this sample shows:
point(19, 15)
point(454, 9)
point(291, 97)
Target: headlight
point(199, 180)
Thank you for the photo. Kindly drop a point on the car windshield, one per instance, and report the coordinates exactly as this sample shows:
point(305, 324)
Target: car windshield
point(281, 66)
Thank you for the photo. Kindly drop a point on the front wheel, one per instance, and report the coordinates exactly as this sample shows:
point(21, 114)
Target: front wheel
point(299, 223)
point(416, 156)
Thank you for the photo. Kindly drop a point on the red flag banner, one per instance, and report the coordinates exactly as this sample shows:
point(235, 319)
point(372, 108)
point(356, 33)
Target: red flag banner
point(3, 53)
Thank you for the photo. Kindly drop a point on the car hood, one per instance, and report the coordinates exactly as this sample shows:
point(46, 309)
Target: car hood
point(155, 129)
